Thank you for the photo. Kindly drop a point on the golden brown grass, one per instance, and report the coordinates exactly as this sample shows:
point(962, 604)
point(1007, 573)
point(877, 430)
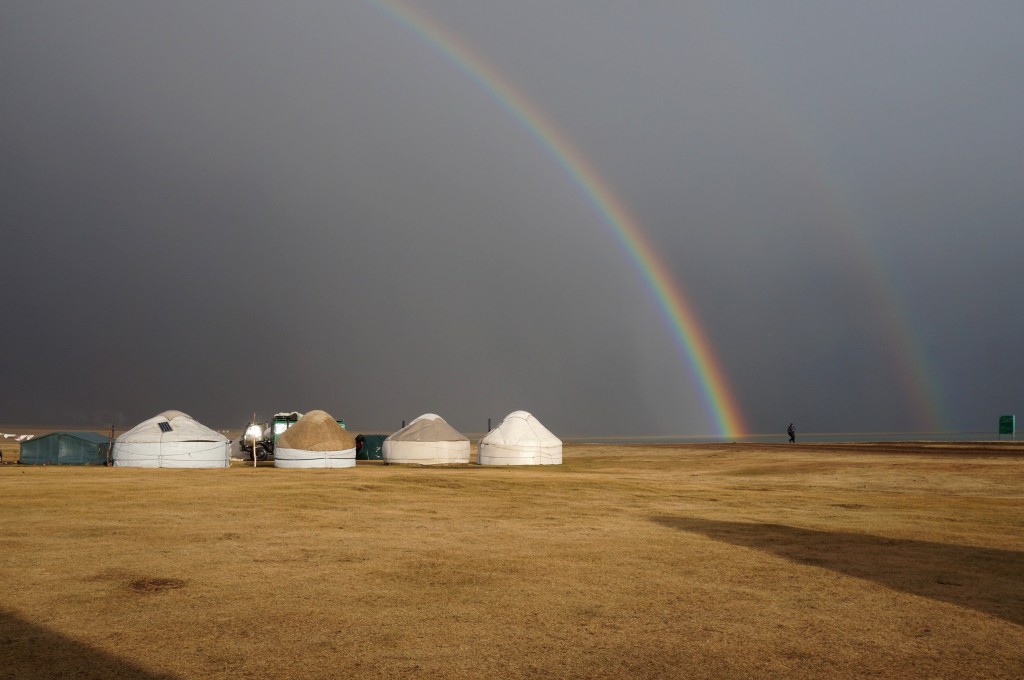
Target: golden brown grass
point(626, 561)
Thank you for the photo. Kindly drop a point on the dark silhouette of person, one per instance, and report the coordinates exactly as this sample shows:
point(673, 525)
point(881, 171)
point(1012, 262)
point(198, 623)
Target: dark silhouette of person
point(791, 431)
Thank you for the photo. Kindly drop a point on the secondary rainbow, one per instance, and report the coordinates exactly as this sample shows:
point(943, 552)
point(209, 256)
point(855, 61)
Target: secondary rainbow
point(911, 369)
point(677, 310)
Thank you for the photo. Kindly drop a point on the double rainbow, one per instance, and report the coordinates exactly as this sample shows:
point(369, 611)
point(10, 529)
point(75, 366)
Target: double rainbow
point(677, 310)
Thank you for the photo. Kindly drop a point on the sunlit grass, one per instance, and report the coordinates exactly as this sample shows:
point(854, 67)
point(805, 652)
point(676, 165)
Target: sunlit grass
point(626, 561)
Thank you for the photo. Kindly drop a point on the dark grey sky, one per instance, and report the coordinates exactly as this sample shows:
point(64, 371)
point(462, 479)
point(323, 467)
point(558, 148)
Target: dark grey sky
point(227, 207)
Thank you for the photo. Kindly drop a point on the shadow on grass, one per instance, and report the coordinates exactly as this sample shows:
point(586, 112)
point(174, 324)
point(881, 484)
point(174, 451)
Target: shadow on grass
point(31, 651)
point(988, 580)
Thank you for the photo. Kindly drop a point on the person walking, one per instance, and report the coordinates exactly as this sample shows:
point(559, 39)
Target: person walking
point(791, 431)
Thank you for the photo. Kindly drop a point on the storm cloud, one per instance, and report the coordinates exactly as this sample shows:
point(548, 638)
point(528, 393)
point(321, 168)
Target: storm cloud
point(234, 207)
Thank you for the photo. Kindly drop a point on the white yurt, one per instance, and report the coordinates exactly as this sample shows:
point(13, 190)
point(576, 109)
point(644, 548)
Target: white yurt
point(171, 440)
point(428, 440)
point(520, 439)
point(315, 441)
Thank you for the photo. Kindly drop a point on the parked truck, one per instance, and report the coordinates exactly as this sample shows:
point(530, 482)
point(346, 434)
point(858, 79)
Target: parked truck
point(262, 437)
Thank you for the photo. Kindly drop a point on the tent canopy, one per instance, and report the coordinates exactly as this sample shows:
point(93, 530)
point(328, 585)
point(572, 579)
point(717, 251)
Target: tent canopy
point(315, 441)
point(171, 439)
point(372, 447)
point(427, 440)
point(65, 448)
point(170, 426)
point(316, 431)
point(520, 439)
point(428, 428)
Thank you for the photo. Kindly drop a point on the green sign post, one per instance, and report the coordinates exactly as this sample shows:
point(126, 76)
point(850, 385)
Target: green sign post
point(1007, 426)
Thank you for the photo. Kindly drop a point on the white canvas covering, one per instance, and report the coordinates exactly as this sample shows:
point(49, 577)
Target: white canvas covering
point(300, 458)
point(171, 439)
point(520, 439)
point(315, 441)
point(428, 440)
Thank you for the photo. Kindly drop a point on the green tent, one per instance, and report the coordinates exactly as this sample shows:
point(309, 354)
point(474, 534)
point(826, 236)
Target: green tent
point(65, 448)
point(372, 447)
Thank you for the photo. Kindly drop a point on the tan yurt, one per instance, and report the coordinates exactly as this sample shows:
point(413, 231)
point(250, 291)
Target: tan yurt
point(428, 440)
point(520, 439)
point(315, 441)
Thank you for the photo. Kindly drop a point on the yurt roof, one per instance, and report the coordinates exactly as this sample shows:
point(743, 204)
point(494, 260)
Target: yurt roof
point(520, 427)
point(91, 437)
point(171, 426)
point(428, 428)
point(317, 431)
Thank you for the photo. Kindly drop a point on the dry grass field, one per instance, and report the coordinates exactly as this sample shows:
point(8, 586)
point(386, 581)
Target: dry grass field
point(704, 561)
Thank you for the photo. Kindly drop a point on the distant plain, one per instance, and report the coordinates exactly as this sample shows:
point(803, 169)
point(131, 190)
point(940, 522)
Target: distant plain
point(686, 560)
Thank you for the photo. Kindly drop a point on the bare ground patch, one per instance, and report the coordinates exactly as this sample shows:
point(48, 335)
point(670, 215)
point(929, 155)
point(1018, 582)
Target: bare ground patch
point(155, 584)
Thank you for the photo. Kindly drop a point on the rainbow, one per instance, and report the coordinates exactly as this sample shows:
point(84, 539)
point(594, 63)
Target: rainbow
point(919, 383)
point(677, 310)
